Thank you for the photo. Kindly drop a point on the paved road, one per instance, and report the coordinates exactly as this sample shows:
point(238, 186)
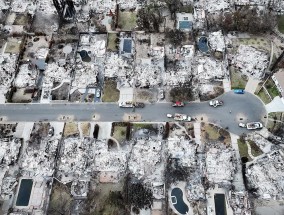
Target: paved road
point(245, 106)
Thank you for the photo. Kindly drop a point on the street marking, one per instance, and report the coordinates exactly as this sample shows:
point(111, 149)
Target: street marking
point(3, 118)
point(66, 118)
point(132, 117)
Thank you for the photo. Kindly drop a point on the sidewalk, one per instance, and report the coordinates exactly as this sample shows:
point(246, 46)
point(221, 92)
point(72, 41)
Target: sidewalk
point(227, 85)
point(197, 133)
point(238, 179)
point(249, 151)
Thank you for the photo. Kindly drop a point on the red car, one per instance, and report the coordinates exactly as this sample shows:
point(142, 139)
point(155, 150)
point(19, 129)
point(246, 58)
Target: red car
point(178, 104)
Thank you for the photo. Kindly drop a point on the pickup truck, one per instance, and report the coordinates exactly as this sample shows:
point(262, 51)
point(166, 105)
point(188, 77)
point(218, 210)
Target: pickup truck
point(254, 125)
point(178, 104)
point(182, 117)
point(216, 103)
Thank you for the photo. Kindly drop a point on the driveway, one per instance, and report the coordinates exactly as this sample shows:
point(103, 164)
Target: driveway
point(276, 105)
point(251, 85)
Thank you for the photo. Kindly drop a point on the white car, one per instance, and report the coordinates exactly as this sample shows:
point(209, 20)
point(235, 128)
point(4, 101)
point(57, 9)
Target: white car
point(51, 132)
point(161, 94)
point(216, 103)
point(169, 115)
point(98, 93)
point(242, 125)
point(254, 125)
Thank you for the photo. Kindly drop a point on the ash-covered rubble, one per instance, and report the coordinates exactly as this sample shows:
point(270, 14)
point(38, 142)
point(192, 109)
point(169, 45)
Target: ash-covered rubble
point(26, 77)
point(91, 52)
point(7, 187)
point(149, 69)
point(179, 66)
point(146, 160)
point(10, 147)
point(7, 69)
point(216, 5)
point(102, 6)
point(239, 202)
point(119, 67)
point(220, 166)
point(40, 154)
point(265, 175)
point(9, 150)
point(79, 189)
point(264, 144)
point(217, 41)
point(183, 150)
point(148, 73)
point(251, 61)
point(55, 73)
point(76, 159)
point(207, 69)
point(22, 6)
point(107, 160)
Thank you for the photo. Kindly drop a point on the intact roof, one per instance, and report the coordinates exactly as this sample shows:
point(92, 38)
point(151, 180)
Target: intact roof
point(280, 78)
point(127, 45)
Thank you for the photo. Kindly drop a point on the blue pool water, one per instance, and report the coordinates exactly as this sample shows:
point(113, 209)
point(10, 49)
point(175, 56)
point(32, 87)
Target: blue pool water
point(185, 25)
point(220, 204)
point(24, 193)
point(127, 45)
point(203, 44)
point(180, 206)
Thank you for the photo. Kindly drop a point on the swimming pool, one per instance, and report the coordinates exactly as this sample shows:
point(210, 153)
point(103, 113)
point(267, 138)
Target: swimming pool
point(177, 201)
point(24, 193)
point(220, 204)
point(203, 44)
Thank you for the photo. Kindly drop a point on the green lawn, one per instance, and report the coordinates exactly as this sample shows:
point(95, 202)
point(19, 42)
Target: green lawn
point(271, 88)
point(281, 24)
point(186, 9)
point(255, 150)
point(142, 126)
point(212, 132)
point(111, 42)
point(119, 133)
point(273, 91)
point(110, 93)
point(263, 96)
point(127, 20)
point(237, 80)
point(275, 115)
point(243, 149)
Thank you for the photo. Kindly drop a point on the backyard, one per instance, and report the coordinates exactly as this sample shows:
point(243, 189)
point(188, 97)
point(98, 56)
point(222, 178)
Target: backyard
point(111, 42)
point(60, 200)
point(257, 42)
point(127, 20)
